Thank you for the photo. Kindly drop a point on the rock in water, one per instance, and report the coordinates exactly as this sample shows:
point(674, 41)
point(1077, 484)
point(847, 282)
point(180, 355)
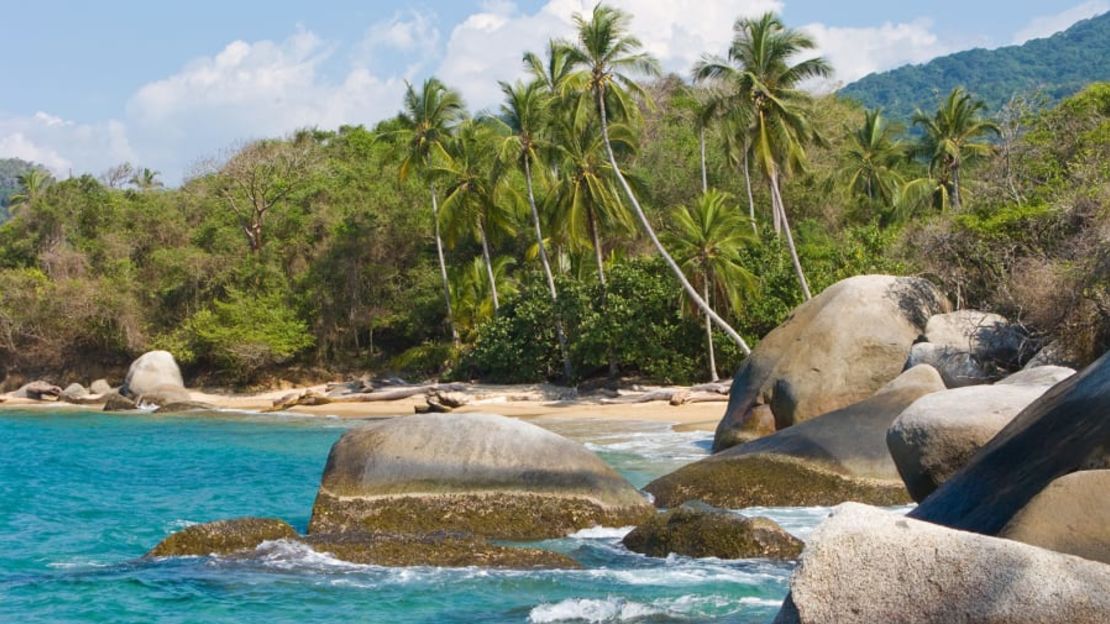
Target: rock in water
point(1071, 515)
point(440, 549)
point(830, 459)
point(116, 402)
point(223, 537)
point(865, 565)
point(938, 434)
point(835, 350)
point(703, 531)
point(492, 476)
point(1065, 430)
point(155, 378)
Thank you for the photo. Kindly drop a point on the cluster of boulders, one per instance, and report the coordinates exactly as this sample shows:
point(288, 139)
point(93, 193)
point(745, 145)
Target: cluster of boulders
point(441, 490)
point(153, 380)
point(876, 392)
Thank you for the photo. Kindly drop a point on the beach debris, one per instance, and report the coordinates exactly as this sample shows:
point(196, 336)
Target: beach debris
point(39, 391)
point(313, 397)
point(710, 392)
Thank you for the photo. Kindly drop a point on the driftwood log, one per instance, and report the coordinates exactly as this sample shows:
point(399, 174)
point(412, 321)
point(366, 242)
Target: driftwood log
point(715, 392)
point(311, 397)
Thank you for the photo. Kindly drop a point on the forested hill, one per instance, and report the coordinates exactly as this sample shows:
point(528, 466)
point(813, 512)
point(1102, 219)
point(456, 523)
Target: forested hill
point(1060, 65)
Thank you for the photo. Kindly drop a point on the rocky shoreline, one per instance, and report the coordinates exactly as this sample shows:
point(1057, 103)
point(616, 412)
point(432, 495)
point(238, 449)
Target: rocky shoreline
point(1005, 450)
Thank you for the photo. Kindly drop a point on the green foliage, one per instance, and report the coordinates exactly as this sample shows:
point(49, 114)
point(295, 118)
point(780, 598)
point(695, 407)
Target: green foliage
point(1059, 65)
point(242, 335)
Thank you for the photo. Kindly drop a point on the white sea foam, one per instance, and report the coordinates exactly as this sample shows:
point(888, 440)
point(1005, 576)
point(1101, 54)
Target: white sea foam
point(292, 555)
point(616, 609)
point(801, 521)
point(602, 533)
point(591, 610)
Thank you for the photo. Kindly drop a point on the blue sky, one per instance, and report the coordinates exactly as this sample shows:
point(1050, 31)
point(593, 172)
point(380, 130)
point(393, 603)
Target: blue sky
point(168, 85)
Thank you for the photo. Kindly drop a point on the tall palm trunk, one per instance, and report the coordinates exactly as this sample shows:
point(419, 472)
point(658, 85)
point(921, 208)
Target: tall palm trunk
point(780, 211)
point(489, 267)
point(443, 267)
point(560, 332)
point(713, 376)
point(596, 238)
point(956, 187)
point(704, 175)
point(748, 187)
point(732, 333)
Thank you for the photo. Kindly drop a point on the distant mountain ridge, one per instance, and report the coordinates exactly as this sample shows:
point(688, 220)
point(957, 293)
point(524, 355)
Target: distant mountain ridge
point(1059, 65)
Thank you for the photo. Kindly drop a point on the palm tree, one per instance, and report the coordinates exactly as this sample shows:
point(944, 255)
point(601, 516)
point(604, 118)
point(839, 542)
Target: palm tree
point(146, 179)
point(470, 199)
point(707, 238)
point(584, 197)
point(425, 123)
point(606, 52)
point(872, 160)
point(953, 136)
point(524, 114)
point(32, 185)
point(701, 108)
point(471, 292)
point(762, 84)
point(738, 147)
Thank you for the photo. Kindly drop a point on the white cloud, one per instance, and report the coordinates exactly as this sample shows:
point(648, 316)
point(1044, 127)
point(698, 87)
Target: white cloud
point(1045, 25)
point(487, 46)
point(856, 52)
point(63, 146)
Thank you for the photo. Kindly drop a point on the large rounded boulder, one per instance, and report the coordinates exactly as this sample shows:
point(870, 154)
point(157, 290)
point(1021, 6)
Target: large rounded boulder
point(1071, 515)
point(865, 565)
point(1063, 431)
point(835, 350)
point(940, 432)
point(833, 458)
point(155, 378)
point(487, 475)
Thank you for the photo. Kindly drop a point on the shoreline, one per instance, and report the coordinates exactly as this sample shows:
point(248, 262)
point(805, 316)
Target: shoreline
point(525, 402)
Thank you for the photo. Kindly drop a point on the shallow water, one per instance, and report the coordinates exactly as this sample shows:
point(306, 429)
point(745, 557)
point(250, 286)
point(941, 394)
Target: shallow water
point(83, 495)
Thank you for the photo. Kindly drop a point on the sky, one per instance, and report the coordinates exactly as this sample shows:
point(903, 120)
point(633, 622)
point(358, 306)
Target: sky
point(167, 85)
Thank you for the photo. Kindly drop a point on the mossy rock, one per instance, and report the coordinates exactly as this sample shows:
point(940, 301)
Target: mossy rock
point(509, 516)
point(702, 531)
point(223, 537)
point(116, 402)
point(184, 406)
point(495, 477)
point(441, 549)
point(766, 480)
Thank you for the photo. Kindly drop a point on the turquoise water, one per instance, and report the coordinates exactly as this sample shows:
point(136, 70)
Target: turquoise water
point(84, 495)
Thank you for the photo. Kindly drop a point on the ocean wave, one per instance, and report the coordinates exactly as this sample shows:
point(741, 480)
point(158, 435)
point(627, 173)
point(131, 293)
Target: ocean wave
point(616, 609)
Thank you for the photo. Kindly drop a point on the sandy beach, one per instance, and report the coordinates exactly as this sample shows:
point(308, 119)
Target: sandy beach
point(525, 401)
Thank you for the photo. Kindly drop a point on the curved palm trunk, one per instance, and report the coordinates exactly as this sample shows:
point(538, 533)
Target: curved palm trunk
point(748, 187)
point(704, 175)
point(443, 267)
point(713, 376)
point(732, 333)
point(489, 268)
point(780, 211)
point(560, 332)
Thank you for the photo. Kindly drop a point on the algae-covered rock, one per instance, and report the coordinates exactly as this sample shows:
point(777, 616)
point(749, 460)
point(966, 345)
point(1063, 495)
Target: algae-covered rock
point(184, 406)
point(488, 475)
point(834, 350)
point(833, 458)
point(703, 531)
point(223, 537)
point(440, 548)
point(116, 402)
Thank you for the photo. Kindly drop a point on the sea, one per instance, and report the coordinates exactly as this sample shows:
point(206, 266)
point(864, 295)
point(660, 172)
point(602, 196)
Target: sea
point(84, 494)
